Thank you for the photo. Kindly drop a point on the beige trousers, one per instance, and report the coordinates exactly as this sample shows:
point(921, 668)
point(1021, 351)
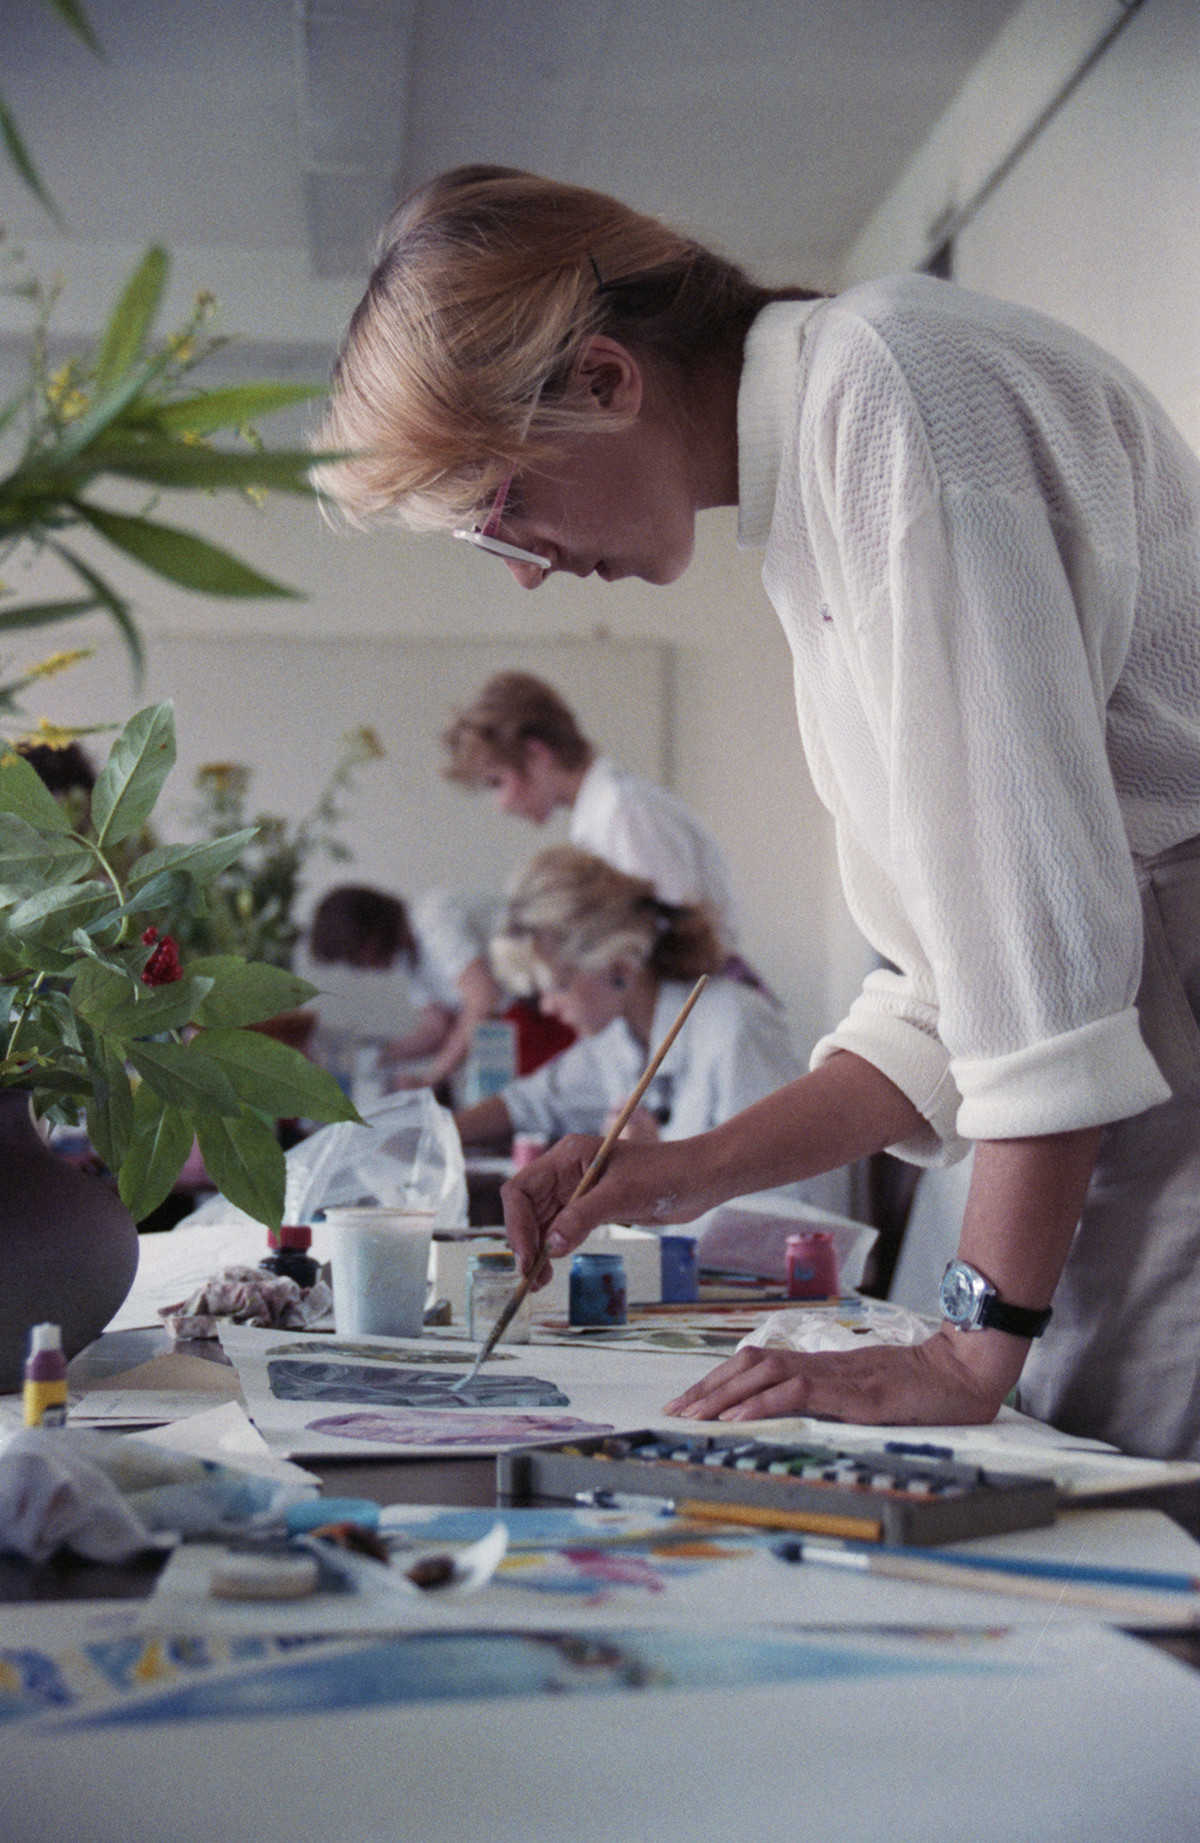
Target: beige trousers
point(1120, 1360)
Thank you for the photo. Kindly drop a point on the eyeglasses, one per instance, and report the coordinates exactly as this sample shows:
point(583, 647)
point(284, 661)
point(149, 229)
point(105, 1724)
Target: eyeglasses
point(481, 535)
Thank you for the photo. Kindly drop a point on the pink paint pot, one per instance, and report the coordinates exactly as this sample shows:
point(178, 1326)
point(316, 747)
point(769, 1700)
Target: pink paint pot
point(812, 1270)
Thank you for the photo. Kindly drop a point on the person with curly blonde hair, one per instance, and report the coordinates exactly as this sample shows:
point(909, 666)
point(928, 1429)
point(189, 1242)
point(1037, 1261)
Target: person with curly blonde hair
point(607, 957)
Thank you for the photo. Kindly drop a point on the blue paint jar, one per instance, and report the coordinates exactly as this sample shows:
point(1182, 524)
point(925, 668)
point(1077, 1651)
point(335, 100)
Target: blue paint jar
point(597, 1290)
point(680, 1269)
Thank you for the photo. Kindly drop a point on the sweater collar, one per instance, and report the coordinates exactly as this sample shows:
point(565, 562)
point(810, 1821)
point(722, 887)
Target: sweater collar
point(766, 403)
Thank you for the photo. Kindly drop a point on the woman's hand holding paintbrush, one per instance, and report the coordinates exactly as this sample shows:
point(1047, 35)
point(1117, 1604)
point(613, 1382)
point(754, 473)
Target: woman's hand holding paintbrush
point(554, 1204)
point(586, 1163)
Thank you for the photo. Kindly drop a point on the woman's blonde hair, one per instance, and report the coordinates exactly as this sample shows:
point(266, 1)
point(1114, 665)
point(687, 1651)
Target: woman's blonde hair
point(570, 908)
point(458, 360)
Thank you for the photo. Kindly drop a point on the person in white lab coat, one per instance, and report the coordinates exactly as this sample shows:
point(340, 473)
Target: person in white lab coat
point(521, 740)
point(413, 978)
point(608, 957)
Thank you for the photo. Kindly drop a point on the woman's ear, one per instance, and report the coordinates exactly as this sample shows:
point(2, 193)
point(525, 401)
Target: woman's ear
point(610, 375)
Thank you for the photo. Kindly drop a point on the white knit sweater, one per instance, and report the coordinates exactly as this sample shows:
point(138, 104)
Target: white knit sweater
point(983, 542)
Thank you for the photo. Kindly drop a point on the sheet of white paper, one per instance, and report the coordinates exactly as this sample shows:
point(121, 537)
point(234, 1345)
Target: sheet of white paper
point(1001, 1736)
point(142, 1408)
point(228, 1435)
point(600, 1393)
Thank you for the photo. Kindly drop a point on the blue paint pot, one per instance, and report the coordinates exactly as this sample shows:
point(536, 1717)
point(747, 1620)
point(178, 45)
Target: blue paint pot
point(680, 1269)
point(597, 1290)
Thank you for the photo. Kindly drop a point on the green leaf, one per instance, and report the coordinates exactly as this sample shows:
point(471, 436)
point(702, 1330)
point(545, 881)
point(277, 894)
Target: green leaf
point(246, 992)
point(23, 792)
point(95, 991)
point(131, 779)
point(169, 890)
point(50, 916)
point(105, 410)
point(110, 1110)
point(160, 1141)
point(185, 1078)
point(201, 862)
point(231, 407)
point(13, 408)
point(44, 614)
point(133, 318)
point(73, 15)
point(30, 858)
point(147, 1011)
point(22, 160)
point(189, 468)
point(273, 1077)
point(59, 1082)
point(245, 1162)
point(180, 556)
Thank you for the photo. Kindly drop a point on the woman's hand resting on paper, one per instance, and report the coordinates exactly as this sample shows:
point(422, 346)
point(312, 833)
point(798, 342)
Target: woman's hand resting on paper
point(955, 1378)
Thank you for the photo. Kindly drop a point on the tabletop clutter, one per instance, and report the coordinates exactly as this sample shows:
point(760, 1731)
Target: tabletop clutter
point(353, 1331)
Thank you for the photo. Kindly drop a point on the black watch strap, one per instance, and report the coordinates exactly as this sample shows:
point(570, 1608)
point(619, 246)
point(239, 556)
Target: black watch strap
point(1017, 1320)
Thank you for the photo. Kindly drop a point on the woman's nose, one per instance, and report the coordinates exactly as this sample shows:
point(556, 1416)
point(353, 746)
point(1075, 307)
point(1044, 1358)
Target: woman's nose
point(528, 575)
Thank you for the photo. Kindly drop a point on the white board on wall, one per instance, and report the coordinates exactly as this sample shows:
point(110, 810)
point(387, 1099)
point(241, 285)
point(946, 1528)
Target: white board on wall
point(280, 704)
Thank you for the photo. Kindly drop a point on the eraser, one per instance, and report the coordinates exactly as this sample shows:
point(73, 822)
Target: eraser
point(264, 1577)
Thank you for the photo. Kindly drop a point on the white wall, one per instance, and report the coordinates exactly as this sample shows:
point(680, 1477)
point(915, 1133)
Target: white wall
point(731, 747)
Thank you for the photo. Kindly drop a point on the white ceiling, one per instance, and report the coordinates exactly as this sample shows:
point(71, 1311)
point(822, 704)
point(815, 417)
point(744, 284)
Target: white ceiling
point(769, 127)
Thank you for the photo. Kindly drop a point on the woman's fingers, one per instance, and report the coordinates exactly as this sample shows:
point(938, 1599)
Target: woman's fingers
point(932, 1384)
point(535, 1197)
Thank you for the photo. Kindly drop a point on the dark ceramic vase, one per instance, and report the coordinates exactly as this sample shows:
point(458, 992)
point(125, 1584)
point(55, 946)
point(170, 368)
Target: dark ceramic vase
point(68, 1245)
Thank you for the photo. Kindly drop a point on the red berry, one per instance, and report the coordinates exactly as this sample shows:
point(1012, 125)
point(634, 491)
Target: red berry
point(163, 966)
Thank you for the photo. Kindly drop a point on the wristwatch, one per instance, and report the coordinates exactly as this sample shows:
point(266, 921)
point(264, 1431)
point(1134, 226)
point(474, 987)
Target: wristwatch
point(972, 1303)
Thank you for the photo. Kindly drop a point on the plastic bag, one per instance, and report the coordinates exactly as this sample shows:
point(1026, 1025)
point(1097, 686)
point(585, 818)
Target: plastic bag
point(408, 1154)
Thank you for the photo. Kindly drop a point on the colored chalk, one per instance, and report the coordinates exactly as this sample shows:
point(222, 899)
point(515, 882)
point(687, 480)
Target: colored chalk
point(310, 1513)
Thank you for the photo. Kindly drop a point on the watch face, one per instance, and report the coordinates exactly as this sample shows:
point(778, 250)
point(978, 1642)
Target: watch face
point(962, 1291)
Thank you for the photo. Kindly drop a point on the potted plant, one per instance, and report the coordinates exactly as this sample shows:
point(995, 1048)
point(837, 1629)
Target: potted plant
point(100, 1018)
point(104, 1023)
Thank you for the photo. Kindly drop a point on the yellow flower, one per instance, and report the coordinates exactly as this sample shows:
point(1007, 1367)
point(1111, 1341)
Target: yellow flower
point(64, 395)
point(55, 663)
point(221, 780)
point(364, 744)
point(47, 735)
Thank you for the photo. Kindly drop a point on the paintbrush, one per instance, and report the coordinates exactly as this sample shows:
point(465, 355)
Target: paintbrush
point(521, 1293)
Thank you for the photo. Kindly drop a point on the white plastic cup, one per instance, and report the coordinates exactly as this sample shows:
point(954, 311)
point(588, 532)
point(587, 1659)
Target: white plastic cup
point(380, 1268)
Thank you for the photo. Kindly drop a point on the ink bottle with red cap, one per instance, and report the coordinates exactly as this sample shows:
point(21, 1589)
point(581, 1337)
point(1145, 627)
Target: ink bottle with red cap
point(290, 1257)
point(45, 1392)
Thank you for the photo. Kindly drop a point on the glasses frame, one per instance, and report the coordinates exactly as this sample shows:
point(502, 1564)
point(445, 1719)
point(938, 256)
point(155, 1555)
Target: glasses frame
point(482, 538)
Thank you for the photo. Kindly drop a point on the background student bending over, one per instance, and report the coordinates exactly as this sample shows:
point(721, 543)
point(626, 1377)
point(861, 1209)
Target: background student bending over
point(610, 959)
point(438, 947)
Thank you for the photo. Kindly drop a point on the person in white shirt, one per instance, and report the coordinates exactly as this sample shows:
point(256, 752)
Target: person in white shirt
point(520, 739)
point(420, 981)
point(982, 537)
point(610, 959)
